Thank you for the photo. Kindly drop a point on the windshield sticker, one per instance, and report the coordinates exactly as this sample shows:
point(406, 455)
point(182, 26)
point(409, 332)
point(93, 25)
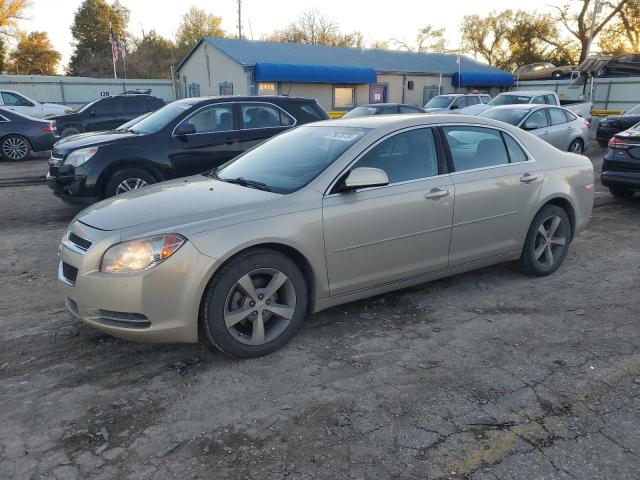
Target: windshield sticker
point(343, 136)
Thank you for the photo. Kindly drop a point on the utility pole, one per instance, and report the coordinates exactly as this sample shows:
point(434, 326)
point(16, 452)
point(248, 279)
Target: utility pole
point(239, 18)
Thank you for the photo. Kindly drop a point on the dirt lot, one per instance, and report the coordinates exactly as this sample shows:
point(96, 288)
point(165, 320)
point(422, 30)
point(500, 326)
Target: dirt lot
point(488, 375)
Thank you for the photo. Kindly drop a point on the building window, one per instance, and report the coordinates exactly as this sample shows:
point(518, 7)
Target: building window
point(194, 90)
point(344, 97)
point(226, 89)
point(267, 88)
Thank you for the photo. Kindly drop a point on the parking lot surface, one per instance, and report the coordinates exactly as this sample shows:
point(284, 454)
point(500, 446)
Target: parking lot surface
point(486, 375)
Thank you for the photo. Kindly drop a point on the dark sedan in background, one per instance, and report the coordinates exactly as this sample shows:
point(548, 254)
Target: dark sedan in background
point(20, 135)
point(609, 126)
point(184, 138)
point(621, 164)
point(381, 109)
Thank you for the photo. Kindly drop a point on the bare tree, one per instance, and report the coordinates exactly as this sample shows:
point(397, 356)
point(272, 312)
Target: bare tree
point(428, 39)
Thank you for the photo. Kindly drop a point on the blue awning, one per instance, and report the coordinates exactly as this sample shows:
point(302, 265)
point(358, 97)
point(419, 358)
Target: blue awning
point(483, 79)
point(286, 72)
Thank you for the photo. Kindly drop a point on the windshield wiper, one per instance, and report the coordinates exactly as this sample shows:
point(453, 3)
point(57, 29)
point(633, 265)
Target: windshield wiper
point(247, 183)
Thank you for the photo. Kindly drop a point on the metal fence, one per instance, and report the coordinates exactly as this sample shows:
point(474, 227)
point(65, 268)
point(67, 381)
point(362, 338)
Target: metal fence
point(606, 93)
point(77, 91)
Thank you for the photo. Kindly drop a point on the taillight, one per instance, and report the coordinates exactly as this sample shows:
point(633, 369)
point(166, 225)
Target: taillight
point(617, 143)
point(47, 129)
point(586, 123)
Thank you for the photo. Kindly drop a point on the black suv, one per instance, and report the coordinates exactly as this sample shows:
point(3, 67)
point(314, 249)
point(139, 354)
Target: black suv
point(186, 137)
point(106, 113)
point(621, 165)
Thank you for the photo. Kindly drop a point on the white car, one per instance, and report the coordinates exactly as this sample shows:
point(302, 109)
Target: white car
point(20, 103)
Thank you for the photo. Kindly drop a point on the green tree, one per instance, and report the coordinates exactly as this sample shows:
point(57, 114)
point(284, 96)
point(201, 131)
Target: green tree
point(195, 24)
point(623, 34)
point(34, 54)
point(577, 16)
point(314, 28)
point(151, 57)
point(487, 37)
point(90, 30)
point(11, 12)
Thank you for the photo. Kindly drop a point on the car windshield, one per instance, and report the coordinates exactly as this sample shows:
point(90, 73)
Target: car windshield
point(160, 118)
point(509, 100)
point(131, 123)
point(633, 111)
point(360, 112)
point(441, 101)
point(508, 115)
point(289, 161)
point(82, 109)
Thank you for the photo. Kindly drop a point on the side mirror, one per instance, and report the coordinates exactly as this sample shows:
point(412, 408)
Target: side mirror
point(185, 128)
point(530, 126)
point(363, 177)
point(455, 106)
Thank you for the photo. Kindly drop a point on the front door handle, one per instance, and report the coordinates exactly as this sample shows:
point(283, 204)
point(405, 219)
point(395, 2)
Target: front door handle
point(436, 193)
point(528, 178)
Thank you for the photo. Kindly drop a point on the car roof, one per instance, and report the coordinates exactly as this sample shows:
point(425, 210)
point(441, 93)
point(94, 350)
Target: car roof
point(528, 93)
point(405, 120)
point(245, 98)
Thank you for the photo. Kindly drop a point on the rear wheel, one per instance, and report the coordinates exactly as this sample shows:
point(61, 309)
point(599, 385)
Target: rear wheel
point(255, 304)
point(547, 241)
point(15, 148)
point(127, 180)
point(577, 146)
point(68, 131)
point(619, 192)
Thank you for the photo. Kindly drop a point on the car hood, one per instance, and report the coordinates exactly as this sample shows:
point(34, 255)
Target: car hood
point(56, 106)
point(474, 109)
point(90, 139)
point(170, 205)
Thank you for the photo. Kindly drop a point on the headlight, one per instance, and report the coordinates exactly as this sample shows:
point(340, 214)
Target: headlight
point(140, 254)
point(79, 157)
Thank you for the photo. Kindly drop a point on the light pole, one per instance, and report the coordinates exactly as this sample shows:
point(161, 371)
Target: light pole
point(597, 8)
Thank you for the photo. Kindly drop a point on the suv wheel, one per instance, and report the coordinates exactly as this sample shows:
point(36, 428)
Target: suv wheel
point(254, 304)
point(127, 180)
point(547, 241)
point(619, 192)
point(68, 131)
point(15, 147)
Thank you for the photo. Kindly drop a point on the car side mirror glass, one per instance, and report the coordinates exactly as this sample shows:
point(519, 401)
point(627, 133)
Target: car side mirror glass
point(455, 107)
point(364, 177)
point(530, 126)
point(185, 128)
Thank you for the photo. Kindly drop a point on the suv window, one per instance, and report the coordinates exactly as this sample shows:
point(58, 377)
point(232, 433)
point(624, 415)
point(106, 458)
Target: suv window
point(133, 105)
point(105, 107)
point(475, 147)
point(214, 118)
point(14, 100)
point(406, 156)
point(255, 115)
point(557, 116)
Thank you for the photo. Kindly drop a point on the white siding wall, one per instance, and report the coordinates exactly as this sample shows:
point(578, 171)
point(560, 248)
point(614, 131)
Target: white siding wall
point(221, 69)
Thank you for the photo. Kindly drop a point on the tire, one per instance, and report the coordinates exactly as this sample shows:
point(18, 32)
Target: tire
point(134, 178)
point(225, 302)
point(577, 146)
point(556, 74)
point(620, 192)
point(68, 131)
point(535, 259)
point(15, 148)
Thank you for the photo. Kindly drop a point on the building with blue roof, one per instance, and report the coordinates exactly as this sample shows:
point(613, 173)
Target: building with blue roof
point(339, 78)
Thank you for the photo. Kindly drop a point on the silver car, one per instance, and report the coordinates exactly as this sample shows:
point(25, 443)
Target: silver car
point(556, 125)
point(323, 214)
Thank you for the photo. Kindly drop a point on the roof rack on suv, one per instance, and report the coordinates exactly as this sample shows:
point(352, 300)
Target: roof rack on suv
point(138, 91)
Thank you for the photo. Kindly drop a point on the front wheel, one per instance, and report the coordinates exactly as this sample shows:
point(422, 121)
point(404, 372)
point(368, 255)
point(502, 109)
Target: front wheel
point(547, 241)
point(577, 146)
point(254, 304)
point(127, 180)
point(15, 148)
point(68, 131)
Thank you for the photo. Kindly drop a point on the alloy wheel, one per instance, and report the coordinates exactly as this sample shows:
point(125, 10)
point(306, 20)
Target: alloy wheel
point(15, 148)
point(551, 240)
point(576, 147)
point(130, 184)
point(260, 306)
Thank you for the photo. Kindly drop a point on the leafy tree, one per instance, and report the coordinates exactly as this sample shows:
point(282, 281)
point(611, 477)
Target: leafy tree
point(428, 39)
point(487, 37)
point(314, 28)
point(623, 34)
point(3, 55)
point(195, 24)
point(151, 57)
point(11, 11)
point(90, 30)
point(34, 54)
point(577, 17)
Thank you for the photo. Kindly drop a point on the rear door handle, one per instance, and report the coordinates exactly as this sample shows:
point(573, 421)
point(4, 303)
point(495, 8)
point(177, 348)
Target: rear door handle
point(436, 193)
point(528, 178)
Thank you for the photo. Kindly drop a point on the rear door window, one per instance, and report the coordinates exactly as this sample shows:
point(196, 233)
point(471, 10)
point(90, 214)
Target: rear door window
point(557, 116)
point(108, 106)
point(133, 105)
point(516, 153)
point(475, 147)
point(211, 119)
point(255, 115)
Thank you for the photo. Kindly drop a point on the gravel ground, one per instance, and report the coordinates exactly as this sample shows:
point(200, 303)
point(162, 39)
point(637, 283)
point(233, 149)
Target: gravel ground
point(486, 375)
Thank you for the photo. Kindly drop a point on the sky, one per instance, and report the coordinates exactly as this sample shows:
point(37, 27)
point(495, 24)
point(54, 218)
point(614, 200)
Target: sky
point(377, 20)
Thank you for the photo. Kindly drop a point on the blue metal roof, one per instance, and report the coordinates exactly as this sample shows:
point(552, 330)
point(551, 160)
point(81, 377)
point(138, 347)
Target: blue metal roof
point(483, 79)
point(287, 72)
point(249, 53)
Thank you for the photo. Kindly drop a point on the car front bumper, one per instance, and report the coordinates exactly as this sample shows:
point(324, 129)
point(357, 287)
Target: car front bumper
point(158, 305)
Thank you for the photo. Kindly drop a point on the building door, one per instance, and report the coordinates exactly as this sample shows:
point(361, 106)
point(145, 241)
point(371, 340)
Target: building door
point(429, 92)
point(378, 93)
